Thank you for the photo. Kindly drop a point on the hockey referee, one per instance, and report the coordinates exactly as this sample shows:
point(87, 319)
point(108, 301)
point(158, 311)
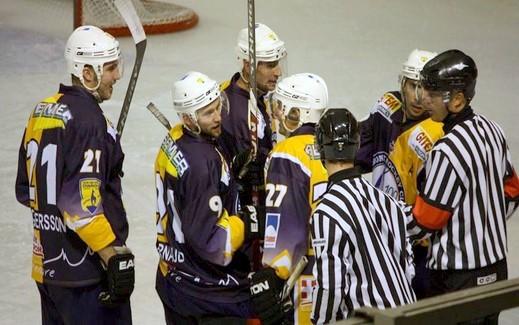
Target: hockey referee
point(363, 256)
point(470, 185)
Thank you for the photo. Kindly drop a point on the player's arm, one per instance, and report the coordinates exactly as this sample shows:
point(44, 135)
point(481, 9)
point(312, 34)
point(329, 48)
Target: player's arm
point(208, 228)
point(330, 269)
point(440, 196)
point(364, 157)
point(22, 180)
point(287, 213)
point(80, 200)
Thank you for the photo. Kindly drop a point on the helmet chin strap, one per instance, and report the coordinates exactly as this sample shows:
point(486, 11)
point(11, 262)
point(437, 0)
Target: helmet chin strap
point(93, 90)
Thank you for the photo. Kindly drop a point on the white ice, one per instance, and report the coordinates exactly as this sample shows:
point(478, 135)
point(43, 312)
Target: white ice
point(356, 46)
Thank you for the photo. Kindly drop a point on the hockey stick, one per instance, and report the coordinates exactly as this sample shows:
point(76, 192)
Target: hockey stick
point(158, 115)
point(253, 91)
point(129, 15)
point(253, 117)
point(289, 285)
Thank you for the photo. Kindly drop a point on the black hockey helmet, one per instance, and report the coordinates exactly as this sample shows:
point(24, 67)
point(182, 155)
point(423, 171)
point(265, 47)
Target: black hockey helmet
point(450, 70)
point(337, 135)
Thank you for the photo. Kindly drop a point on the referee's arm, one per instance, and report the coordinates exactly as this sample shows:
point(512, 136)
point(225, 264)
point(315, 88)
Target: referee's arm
point(511, 186)
point(441, 193)
point(330, 269)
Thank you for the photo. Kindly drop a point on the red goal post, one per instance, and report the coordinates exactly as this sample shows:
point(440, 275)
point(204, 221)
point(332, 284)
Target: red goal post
point(157, 17)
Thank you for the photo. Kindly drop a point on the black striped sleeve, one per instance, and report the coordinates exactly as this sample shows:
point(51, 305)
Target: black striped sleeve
point(330, 245)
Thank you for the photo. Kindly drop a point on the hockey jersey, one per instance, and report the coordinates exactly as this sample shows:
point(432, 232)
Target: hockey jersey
point(69, 168)
point(198, 232)
point(295, 181)
point(236, 134)
point(394, 150)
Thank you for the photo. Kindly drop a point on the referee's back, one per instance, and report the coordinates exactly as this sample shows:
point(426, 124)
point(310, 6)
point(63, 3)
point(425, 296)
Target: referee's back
point(363, 257)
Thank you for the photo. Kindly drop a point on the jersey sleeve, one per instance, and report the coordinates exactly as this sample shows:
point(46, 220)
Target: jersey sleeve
point(441, 193)
point(364, 157)
point(511, 186)
point(206, 225)
point(81, 199)
point(22, 181)
point(287, 213)
point(330, 270)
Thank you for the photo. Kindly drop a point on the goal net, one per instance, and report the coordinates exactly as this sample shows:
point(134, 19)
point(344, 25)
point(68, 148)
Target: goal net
point(156, 17)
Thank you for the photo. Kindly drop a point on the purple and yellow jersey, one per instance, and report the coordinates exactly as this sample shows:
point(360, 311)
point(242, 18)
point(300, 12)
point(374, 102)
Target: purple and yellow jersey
point(236, 134)
point(70, 161)
point(393, 150)
point(198, 232)
point(295, 181)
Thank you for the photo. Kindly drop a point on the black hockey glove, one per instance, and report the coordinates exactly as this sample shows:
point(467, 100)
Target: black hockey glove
point(240, 163)
point(246, 170)
point(120, 278)
point(254, 220)
point(265, 290)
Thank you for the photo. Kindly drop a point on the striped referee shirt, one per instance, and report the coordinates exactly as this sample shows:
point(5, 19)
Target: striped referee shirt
point(470, 189)
point(363, 256)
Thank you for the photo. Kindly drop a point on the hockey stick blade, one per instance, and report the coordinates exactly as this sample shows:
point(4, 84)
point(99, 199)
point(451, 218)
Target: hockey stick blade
point(158, 115)
point(131, 18)
point(289, 285)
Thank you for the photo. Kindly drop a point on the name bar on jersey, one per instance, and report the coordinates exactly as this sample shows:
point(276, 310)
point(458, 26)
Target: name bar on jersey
point(53, 110)
point(175, 156)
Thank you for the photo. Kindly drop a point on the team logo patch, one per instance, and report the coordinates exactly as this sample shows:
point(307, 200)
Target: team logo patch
point(420, 142)
point(271, 230)
point(37, 248)
point(89, 189)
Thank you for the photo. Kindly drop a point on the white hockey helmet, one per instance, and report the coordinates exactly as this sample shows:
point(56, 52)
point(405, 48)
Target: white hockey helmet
point(269, 47)
point(306, 91)
point(414, 64)
point(192, 92)
point(89, 45)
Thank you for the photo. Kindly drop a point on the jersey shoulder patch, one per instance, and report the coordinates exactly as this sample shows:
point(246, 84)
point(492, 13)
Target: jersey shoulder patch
point(387, 105)
point(423, 136)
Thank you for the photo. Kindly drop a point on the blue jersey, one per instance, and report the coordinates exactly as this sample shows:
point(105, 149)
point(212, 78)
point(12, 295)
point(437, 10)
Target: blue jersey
point(198, 233)
point(69, 169)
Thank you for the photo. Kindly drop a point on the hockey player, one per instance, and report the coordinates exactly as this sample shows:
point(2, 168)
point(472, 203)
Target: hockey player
point(198, 231)
point(363, 256)
point(69, 168)
point(395, 140)
point(237, 137)
point(295, 180)
point(470, 188)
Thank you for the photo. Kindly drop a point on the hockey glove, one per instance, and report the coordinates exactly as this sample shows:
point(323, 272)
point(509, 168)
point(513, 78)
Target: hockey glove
point(246, 170)
point(265, 289)
point(120, 278)
point(240, 163)
point(254, 220)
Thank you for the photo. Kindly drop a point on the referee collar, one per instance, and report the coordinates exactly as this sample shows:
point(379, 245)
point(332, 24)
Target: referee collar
point(343, 174)
point(454, 119)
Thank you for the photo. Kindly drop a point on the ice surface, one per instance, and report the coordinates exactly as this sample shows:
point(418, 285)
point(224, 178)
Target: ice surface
point(356, 46)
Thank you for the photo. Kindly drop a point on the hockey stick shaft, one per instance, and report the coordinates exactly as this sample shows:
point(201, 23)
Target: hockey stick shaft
point(131, 18)
point(158, 115)
point(289, 285)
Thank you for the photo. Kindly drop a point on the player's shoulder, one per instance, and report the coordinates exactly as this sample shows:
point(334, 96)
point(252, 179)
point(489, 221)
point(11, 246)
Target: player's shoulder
point(388, 104)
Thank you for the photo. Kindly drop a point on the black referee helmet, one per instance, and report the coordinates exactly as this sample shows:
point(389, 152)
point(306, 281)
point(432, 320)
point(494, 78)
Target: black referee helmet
point(451, 70)
point(337, 135)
